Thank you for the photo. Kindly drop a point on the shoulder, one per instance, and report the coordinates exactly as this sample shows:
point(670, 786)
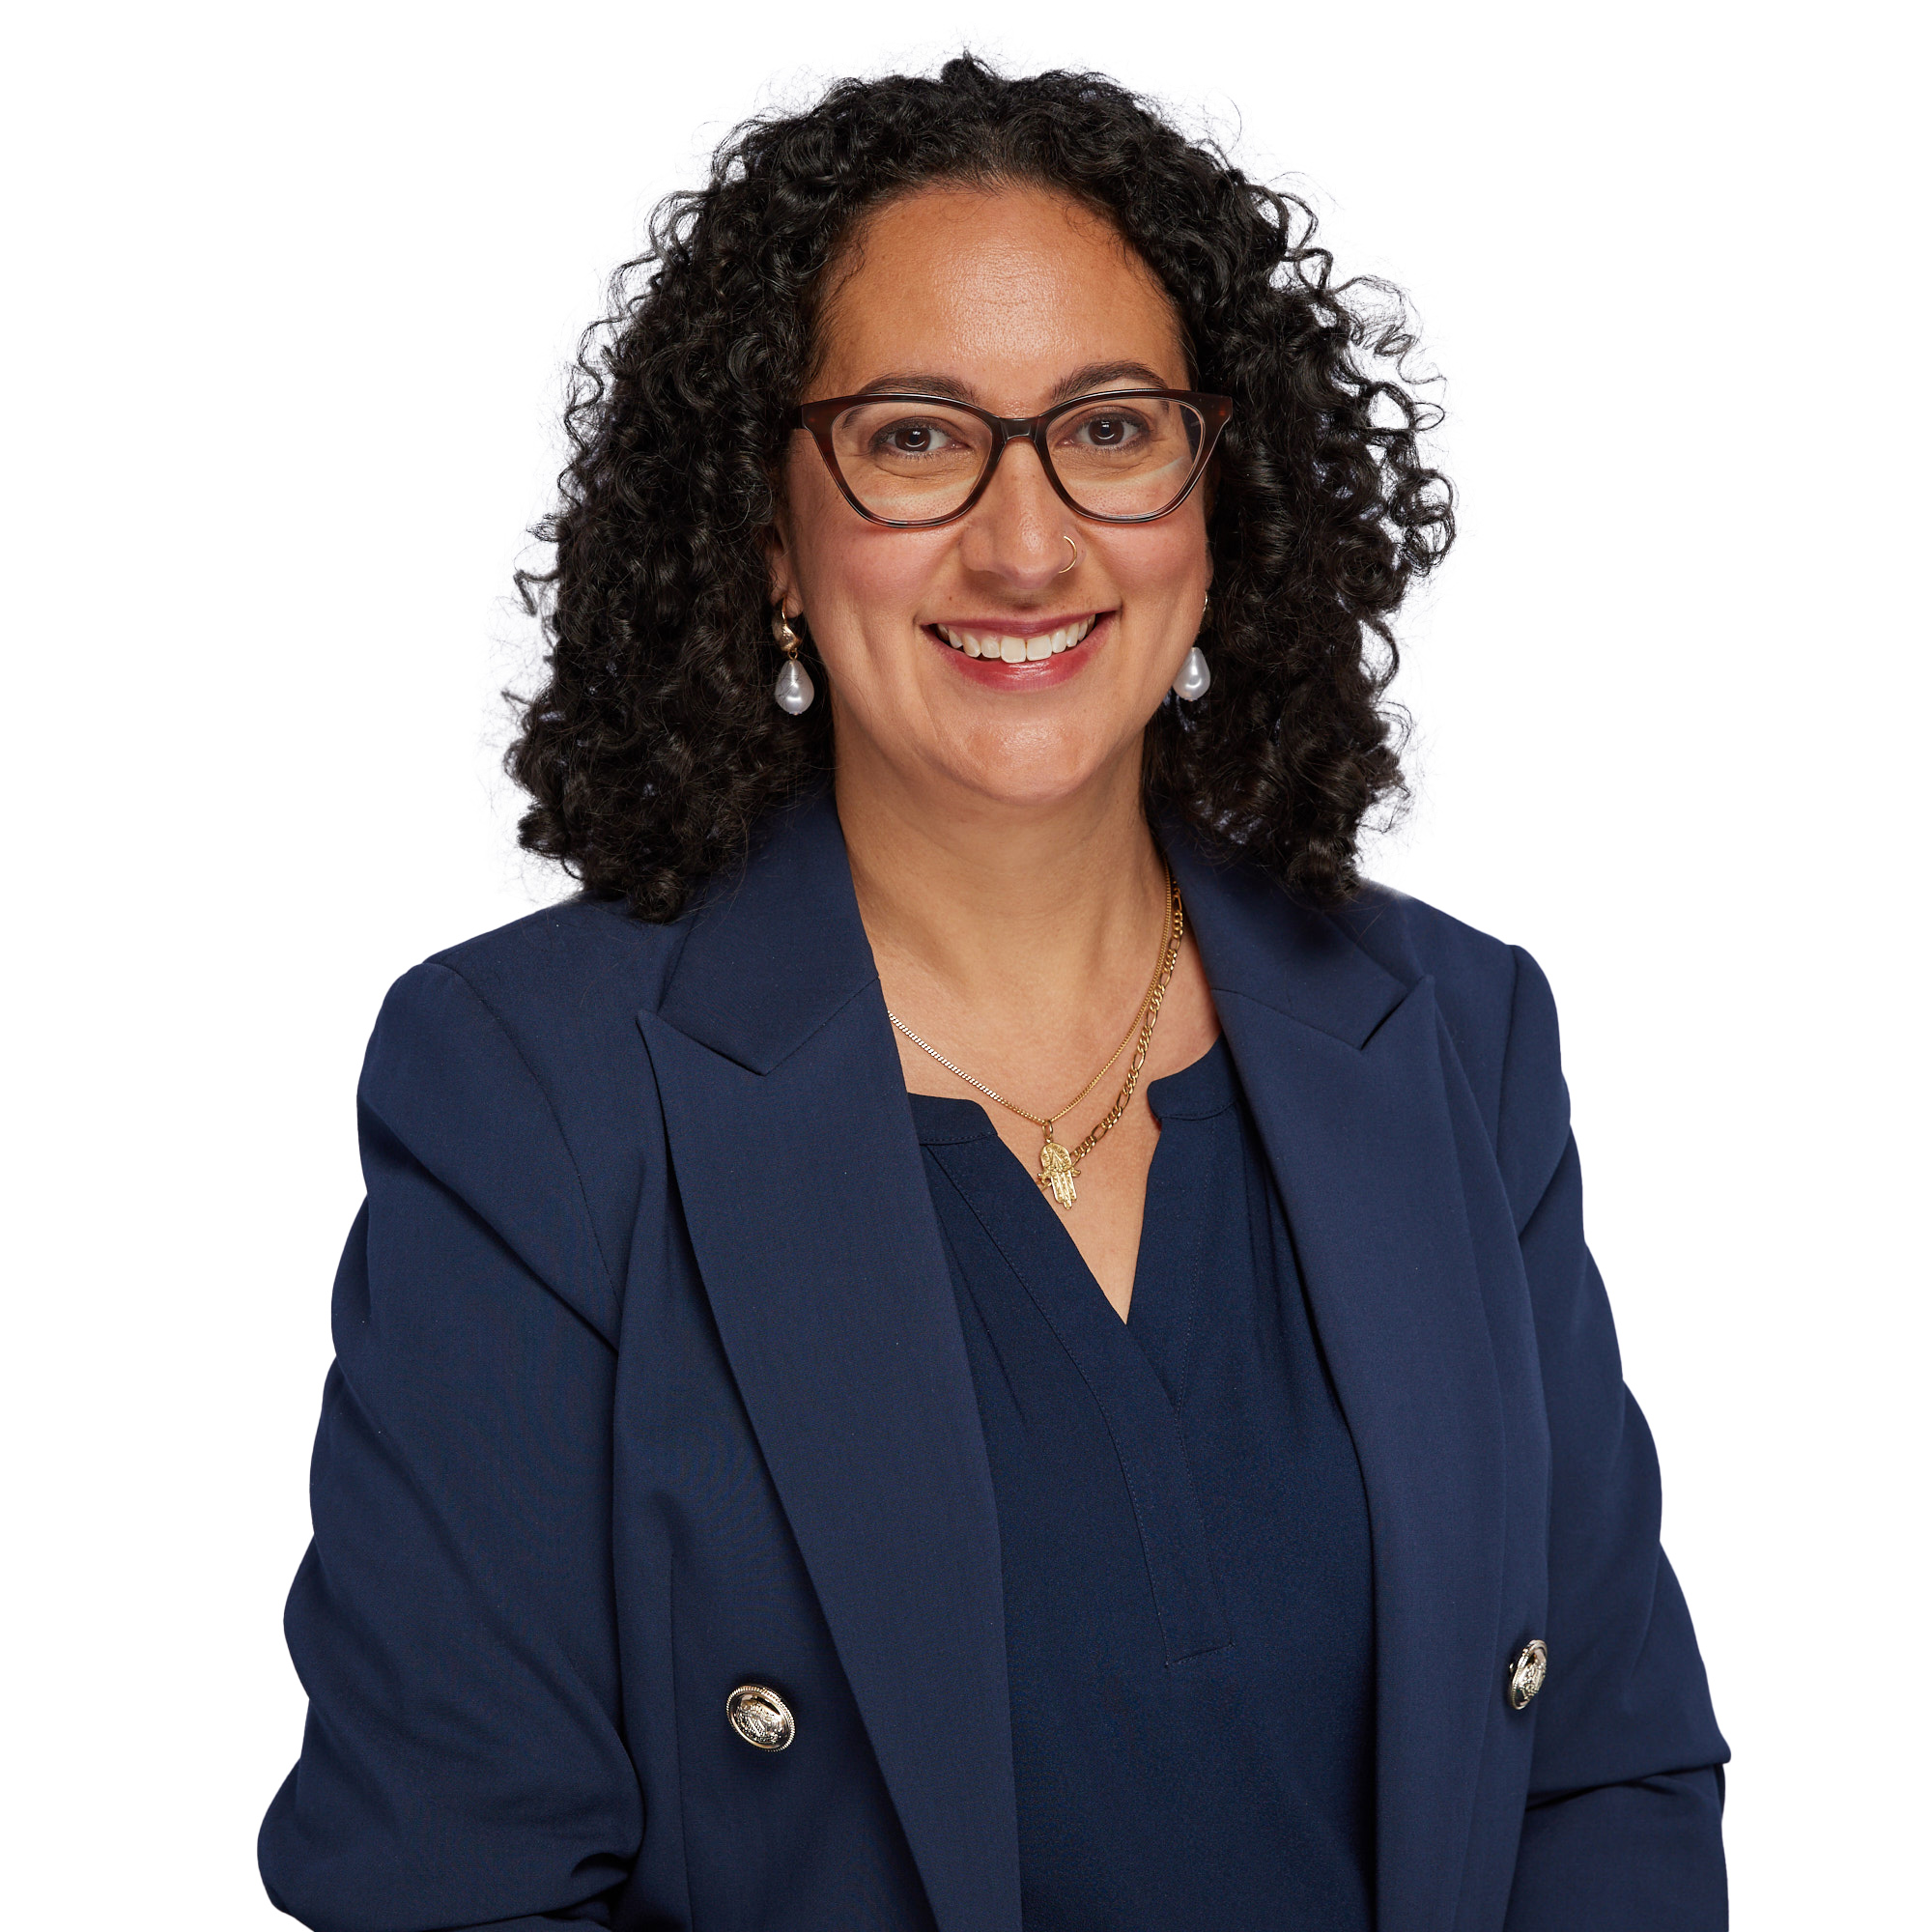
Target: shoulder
point(1411, 939)
point(560, 988)
point(1475, 974)
point(1499, 1013)
point(581, 957)
point(553, 987)
point(520, 1051)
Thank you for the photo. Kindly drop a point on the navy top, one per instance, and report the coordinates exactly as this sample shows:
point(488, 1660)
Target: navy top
point(1184, 1534)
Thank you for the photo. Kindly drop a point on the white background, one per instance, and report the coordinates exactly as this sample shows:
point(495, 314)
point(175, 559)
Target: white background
point(292, 288)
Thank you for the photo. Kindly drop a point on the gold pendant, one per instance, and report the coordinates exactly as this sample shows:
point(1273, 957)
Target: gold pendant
point(1056, 1171)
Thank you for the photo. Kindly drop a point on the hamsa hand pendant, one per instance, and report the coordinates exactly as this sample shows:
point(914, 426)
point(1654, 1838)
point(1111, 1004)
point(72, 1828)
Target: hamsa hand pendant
point(1056, 1171)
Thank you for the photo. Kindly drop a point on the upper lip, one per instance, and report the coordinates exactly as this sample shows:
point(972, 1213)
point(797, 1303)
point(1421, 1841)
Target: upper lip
point(1013, 625)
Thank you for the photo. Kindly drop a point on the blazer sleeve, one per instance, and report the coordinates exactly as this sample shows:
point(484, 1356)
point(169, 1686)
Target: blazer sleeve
point(1622, 1830)
point(453, 1621)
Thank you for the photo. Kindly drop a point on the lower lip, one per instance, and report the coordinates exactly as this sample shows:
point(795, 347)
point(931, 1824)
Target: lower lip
point(997, 674)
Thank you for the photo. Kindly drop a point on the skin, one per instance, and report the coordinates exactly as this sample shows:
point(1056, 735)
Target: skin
point(1009, 882)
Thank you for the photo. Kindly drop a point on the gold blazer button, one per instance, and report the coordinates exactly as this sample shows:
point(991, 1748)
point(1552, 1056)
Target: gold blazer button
point(1528, 1668)
point(760, 1717)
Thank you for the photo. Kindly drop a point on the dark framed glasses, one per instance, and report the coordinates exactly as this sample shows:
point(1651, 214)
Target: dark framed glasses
point(1126, 456)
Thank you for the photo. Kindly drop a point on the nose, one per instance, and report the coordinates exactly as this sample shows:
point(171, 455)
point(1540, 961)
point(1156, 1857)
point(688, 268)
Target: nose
point(1013, 532)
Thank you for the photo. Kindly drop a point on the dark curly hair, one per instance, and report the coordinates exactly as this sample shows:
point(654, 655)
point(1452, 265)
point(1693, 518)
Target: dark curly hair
point(654, 747)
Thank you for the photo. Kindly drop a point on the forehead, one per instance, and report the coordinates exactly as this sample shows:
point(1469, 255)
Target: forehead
point(1005, 290)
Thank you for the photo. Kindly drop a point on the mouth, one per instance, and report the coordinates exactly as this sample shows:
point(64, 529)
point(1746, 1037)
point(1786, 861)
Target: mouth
point(1017, 641)
point(1022, 654)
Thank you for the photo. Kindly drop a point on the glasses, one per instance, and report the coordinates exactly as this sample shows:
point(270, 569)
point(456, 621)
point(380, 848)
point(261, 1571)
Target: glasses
point(914, 462)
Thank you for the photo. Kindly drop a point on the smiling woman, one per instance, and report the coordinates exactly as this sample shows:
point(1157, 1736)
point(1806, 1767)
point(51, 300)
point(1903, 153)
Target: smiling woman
point(977, 1335)
point(687, 434)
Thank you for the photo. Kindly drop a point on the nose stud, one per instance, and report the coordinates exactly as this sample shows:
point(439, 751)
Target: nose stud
point(1072, 560)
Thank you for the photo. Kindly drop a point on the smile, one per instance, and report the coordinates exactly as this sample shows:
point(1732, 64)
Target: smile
point(1033, 647)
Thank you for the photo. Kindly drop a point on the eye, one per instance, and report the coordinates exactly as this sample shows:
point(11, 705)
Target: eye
point(1107, 432)
point(912, 435)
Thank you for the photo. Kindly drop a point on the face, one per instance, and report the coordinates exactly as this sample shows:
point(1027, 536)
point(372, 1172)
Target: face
point(1013, 299)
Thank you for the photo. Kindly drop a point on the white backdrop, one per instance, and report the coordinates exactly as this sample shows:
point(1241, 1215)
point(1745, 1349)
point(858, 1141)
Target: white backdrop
point(292, 291)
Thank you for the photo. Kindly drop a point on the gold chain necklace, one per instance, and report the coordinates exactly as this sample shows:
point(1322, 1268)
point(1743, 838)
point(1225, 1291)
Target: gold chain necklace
point(1059, 1166)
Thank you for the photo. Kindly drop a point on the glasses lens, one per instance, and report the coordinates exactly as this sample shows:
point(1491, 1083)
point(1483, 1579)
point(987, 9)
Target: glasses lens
point(910, 462)
point(1127, 456)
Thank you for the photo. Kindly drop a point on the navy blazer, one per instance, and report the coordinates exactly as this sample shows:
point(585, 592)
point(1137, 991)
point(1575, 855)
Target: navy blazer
point(650, 1383)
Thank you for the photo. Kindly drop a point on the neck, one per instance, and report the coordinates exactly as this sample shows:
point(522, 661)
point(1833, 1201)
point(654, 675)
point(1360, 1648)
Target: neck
point(1052, 912)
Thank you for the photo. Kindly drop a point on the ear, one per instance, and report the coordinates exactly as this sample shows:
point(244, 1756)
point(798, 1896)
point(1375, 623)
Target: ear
point(779, 541)
point(779, 574)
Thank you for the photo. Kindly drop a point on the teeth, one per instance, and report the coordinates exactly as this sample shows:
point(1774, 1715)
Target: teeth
point(1018, 650)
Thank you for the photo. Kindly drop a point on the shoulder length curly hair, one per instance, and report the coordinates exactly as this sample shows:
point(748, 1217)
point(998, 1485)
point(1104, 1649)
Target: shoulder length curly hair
point(654, 749)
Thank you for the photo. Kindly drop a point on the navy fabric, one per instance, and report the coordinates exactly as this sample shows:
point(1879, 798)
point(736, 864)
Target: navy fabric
point(650, 1381)
point(1184, 1536)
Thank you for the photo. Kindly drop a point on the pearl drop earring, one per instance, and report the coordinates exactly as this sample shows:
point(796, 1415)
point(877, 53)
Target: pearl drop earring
point(794, 690)
point(1192, 679)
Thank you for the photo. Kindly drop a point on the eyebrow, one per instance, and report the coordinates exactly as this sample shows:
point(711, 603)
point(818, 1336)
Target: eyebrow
point(1095, 376)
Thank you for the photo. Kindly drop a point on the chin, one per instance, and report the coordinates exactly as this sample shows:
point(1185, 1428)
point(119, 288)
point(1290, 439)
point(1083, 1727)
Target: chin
point(1046, 769)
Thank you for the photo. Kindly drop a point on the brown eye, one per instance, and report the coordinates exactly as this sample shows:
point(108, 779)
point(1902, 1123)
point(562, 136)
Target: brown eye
point(911, 437)
point(1106, 431)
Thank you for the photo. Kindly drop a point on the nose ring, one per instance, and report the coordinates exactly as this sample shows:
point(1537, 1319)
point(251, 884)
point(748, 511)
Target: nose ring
point(1072, 560)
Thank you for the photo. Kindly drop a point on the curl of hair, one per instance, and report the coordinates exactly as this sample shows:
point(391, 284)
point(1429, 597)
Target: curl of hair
point(654, 749)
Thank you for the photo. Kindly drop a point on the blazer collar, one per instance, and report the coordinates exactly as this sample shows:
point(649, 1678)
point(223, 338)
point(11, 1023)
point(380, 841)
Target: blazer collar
point(776, 949)
point(1258, 942)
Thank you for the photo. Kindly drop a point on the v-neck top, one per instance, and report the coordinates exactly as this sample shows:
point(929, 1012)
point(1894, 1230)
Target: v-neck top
point(1184, 1534)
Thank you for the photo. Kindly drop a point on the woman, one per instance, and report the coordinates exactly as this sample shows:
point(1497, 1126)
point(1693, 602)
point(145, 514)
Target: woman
point(977, 1335)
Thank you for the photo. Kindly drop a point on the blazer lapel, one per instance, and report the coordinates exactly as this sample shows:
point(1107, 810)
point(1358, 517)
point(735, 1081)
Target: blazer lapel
point(1343, 1068)
point(798, 1172)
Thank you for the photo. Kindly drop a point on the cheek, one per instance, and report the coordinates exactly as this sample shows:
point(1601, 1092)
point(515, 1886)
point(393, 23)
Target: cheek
point(859, 584)
point(872, 577)
point(1161, 567)
point(1182, 541)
